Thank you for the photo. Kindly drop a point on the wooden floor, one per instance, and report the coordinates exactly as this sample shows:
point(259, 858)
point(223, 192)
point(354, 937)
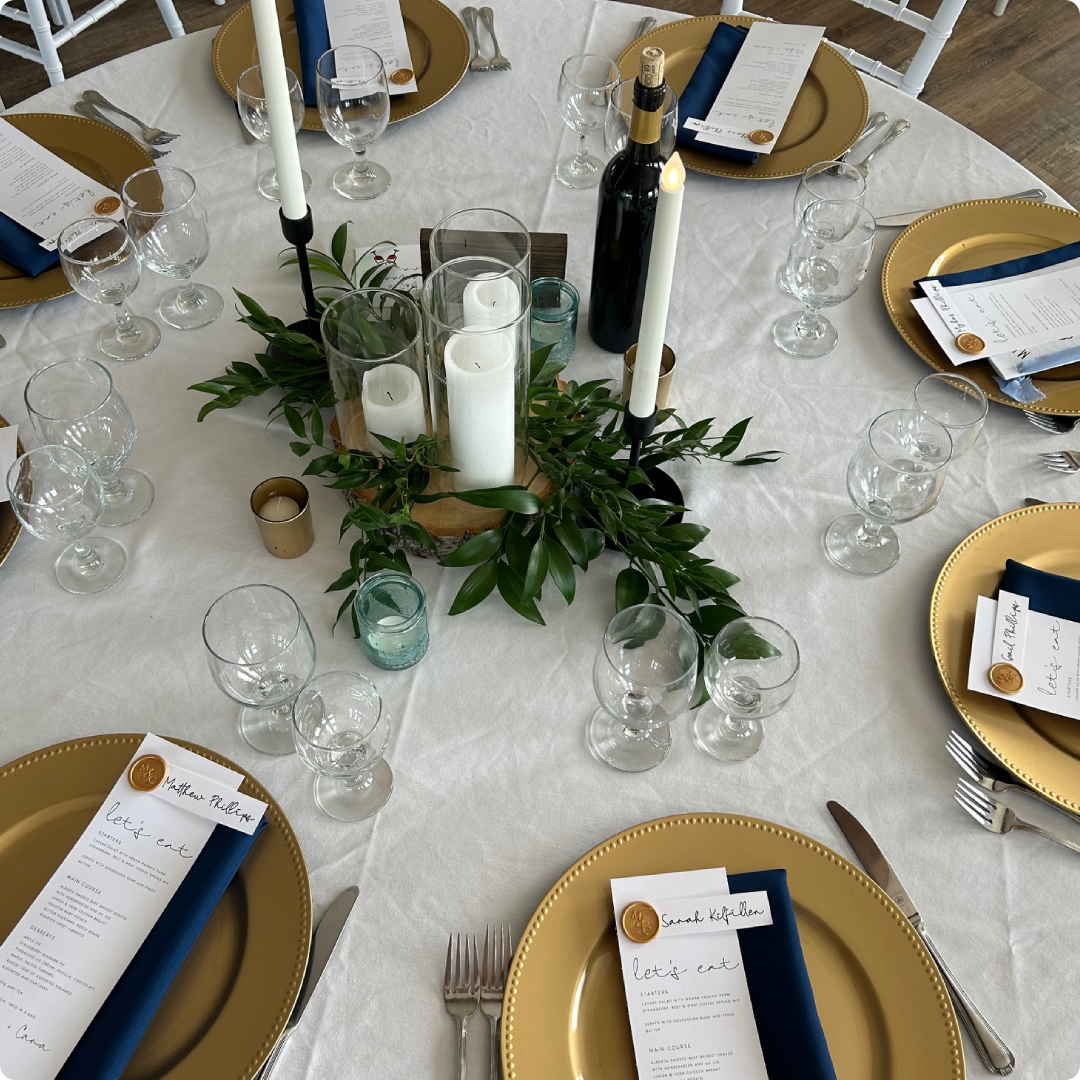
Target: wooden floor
point(1014, 79)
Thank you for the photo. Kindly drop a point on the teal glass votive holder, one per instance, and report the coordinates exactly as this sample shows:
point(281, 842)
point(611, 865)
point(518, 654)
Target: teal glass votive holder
point(554, 316)
point(391, 612)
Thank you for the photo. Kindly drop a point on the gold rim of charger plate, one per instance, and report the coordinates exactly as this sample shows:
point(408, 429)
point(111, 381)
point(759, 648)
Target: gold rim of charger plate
point(234, 49)
point(10, 526)
point(922, 246)
point(1005, 728)
point(837, 133)
point(574, 914)
point(258, 892)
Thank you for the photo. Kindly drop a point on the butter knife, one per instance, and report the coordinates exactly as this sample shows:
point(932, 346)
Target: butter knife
point(323, 943)
point(896, 220)
point(995, 1055)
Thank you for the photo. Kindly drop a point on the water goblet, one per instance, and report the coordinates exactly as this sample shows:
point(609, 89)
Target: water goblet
point(354, 103)
point(56, 494)
point(617, 121)
point(827, 263)
point(585, 86)
point(750, 672)
point(75, 403)
point(167, 220)
point(644, 673)
point(255, 116)
point(102, 263)
point(894, 475)
point(955, 402)
point(261, 654)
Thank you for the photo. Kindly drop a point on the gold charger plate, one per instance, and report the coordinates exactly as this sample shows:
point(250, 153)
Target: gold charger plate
point(438, 44)
point(1040, 748)
point(828, 115)
point(882, 1004)
point(965, 236)
point(232, 997)
point(102, 153)
point(10, 526)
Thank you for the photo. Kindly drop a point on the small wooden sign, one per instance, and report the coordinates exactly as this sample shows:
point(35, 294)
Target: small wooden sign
point(548, 251)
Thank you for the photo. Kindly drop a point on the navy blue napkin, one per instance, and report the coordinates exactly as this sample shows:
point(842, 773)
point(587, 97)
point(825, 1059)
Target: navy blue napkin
point(110, 1040)
point(314, 41)
point(792, 1041)
point(1049, 594)
point(22, 249)
point(1011, 268)
point(696, 100)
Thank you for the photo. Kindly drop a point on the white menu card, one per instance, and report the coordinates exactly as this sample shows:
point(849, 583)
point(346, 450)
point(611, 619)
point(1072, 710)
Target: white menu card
point(686, 992)
point(68, 950)
point(378, 25)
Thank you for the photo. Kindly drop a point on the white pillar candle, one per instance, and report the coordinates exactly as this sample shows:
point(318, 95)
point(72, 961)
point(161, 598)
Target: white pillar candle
point(279, 107)
point(654, 311)
point(279, 508)
point(393, 403)
point(480, 403)
point(491, 300)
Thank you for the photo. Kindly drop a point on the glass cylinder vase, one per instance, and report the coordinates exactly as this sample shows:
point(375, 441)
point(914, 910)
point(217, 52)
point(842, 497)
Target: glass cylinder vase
point(484, 232)
point(476, 326)
point(375, 353)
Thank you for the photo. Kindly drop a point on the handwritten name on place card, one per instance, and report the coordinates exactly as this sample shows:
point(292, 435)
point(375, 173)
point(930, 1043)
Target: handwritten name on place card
point(212, 801)
point(739, 912)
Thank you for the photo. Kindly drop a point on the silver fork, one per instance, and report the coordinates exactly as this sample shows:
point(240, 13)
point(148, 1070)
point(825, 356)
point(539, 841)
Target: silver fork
point(154, 136)
point(1056, 425)
point(894, 133)
point(461, 988)
point(1066, 461)
point(997, 817)
point(498, 949)
point(84, 108)
point(479, 62)
point(874, 122)
point(498, 61)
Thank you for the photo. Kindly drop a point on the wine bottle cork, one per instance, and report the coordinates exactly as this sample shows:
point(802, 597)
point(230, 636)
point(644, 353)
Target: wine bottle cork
point(652, 66)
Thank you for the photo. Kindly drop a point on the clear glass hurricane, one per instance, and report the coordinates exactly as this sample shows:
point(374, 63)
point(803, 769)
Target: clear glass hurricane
point(354, 103)
point(255, 116)
point(894, 476)
point(341, 728)
point(643, 675)
point(585, 86)
point(102, 263)
point(955, 402)
point(751, 670)
point(167, 220)
point(56, 494)
point(75, 403)
point(261, 654)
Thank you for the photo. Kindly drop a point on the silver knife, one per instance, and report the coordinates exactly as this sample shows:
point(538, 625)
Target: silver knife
point(896, 220)
point(323, 943)
point(995, 1054)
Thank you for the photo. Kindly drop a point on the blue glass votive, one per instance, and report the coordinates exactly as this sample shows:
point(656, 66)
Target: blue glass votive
point(391, 611)
point(554, 316)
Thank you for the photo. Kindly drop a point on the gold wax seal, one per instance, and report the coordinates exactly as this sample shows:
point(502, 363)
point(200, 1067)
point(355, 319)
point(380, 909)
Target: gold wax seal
point(1007, 678)
point(971, 344)
point(640, 921)
point(147, 772)
point(109, 205)
point(761, 137)
point(402, 76)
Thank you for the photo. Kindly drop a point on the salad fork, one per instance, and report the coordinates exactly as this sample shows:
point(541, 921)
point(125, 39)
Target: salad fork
point(498, 951)
point(997, 817)
point(479, 62)
point(894, 133)
point(1066, 461)
point(461, 988)
point(498, 61)
point(1056, 425)
point(153, 135)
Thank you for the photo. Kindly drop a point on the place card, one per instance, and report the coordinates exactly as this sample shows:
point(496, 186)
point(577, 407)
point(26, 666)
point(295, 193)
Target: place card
point(753, 104)
point(42, 192)
point(686, 993)
point(216, 802)
point(9, 451)
point(67, 952)
point(714, 913)
point(378, 25)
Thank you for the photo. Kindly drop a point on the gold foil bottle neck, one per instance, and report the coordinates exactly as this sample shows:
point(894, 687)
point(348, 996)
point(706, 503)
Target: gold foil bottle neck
point(652, 66)
point(645, 126)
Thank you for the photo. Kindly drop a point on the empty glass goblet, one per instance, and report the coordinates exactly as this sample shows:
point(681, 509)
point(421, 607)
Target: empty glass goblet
point(102, 263)
point(644, 673)
point(255, 116)
point(167, 220)
point(56, 494)
point(895, 475)
point(826, 265)
point(74, 403)
point(261, 654)
point(354, 103)
point(585, 86)
point(750, 671)
point(341, 728)
point(617, 121)
point(955, 402)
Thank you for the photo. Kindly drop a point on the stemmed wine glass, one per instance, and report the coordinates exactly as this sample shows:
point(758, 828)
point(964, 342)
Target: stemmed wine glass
point(354, 103)
point(585, 86)
point(103, 265)
point(255, 116)
point(261, 654)
point(56, 494)
point(167, 220)
point(75, 403)
point(955, 402)
point(620, 111)
point(644, 673)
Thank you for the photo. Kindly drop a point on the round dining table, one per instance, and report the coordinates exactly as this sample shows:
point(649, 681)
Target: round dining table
point(496, 792)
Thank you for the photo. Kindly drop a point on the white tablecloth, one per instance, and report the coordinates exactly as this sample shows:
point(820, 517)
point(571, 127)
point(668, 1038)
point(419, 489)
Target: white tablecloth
point(496, 792)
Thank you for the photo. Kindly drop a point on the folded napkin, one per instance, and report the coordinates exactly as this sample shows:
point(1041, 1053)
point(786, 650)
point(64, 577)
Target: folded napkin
point(1011, 268)
point(696, 100)
point(110, 1040)
point(22, 249)
point(314, 41)
point(1049, 594)
point(792, 1041)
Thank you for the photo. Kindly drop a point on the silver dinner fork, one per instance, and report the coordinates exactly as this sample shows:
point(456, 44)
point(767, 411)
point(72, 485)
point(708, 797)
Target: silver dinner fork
point(153, 135)
point(498, 61)
point(461, 988)
point(1066, 461)
point(84, 108)
point(1056, 425)
point(874, 122)
point(997, 817)
point(894, 133)
point(479, 62)
point(498, 951)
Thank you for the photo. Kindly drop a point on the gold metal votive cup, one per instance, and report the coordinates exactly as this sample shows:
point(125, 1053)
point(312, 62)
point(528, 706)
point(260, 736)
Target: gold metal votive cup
point(667, 370)
point(290, 538)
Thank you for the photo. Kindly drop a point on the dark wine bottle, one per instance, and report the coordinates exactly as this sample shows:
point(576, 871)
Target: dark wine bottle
point(629, 190)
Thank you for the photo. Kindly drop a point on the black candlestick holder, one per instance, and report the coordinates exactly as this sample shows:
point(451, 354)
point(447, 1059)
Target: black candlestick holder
point(299, 232)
